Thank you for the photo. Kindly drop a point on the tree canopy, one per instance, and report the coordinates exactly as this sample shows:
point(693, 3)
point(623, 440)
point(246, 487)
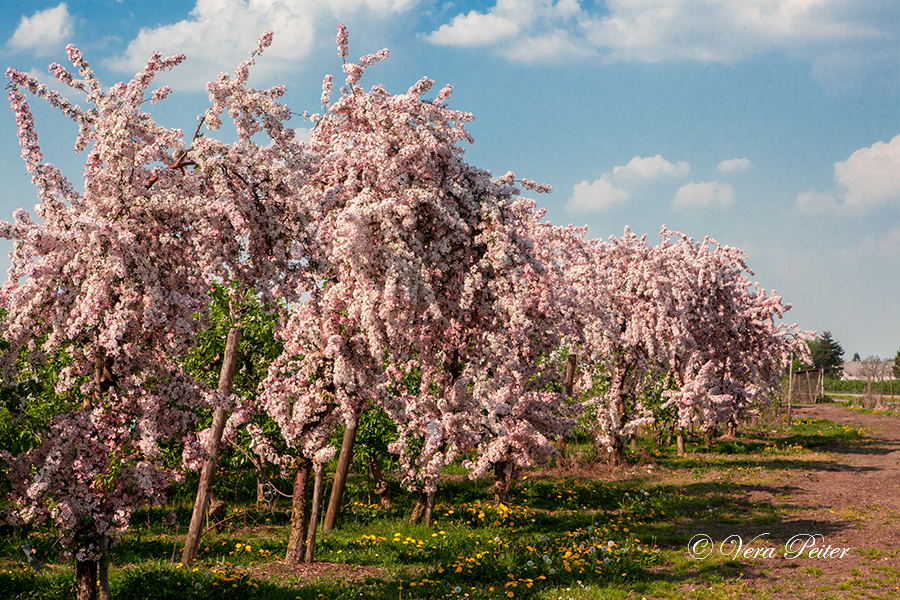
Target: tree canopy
point(827, 354)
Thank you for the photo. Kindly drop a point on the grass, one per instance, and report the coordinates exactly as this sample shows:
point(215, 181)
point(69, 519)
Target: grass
point(624, 535)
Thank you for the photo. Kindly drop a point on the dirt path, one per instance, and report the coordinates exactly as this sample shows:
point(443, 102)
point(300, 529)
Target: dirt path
point(849, 498)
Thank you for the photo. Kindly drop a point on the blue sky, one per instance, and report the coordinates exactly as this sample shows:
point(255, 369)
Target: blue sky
point(769, 125)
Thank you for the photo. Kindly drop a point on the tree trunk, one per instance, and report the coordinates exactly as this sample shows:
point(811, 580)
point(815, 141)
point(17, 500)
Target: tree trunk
point(669, 435)
point(617, 455)
point(87, 572)
point(103, 569)
point(561, 449)
point(208, 472)
point(316, 511)
point(731, 428)
point(299, 514)
point(679, 442)
point(419, 509)
point(709, 436)
point(561, 442)
point(340, 476)
point(382, 485)
point(260, 492)
point(86, 579)
point(429, 508)
point(504, 474)
point(634, 442)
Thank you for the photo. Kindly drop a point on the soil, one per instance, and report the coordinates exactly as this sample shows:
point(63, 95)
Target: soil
point(848, 497)
point(318, 572)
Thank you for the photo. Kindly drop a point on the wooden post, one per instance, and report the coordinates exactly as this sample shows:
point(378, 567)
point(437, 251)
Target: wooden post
point(208, 472)
point(790, 388)
point(820, 392)
point(340, 475)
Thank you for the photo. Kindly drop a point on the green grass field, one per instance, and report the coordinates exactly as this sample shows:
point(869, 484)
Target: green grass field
point(605, 534)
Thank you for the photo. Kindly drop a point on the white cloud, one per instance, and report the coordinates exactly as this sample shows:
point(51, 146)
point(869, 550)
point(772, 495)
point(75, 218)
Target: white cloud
point(219, 34)
point(869, 178)
point(525, 31)
point(45, 32)
point(550, 47)
point(474, 29)
point(719, 30)
point(706, 194)
point(652, 167)
point(697, 30)
point(597, 196)
point(616, 187)
point(871, 175)
point(735, 165)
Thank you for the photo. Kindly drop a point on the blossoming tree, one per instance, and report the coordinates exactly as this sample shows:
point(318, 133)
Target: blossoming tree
point(682, 312)
point(426, 268)
point(111, 277)
point(738, 350)
point(631, 325)
point(257, 228)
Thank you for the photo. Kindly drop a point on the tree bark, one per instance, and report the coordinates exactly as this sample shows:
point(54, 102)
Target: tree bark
point(316, 511)
point(86, 579)
point(103, 569)
point(429, 508)
point(260, 491)
point(419, 509)
point(340, 476)
point(731, 428)
point(679, 447)
point(504, 474)
point(208, 472)
point(87, 572)
point(561, 442)
point(617, 456)
point(382, 485)
point(299, 514)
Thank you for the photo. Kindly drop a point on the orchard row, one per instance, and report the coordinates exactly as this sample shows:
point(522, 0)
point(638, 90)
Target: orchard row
point(401, 279)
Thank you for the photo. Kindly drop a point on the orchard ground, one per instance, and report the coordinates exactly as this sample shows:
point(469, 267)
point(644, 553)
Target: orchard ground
point(831, 479)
